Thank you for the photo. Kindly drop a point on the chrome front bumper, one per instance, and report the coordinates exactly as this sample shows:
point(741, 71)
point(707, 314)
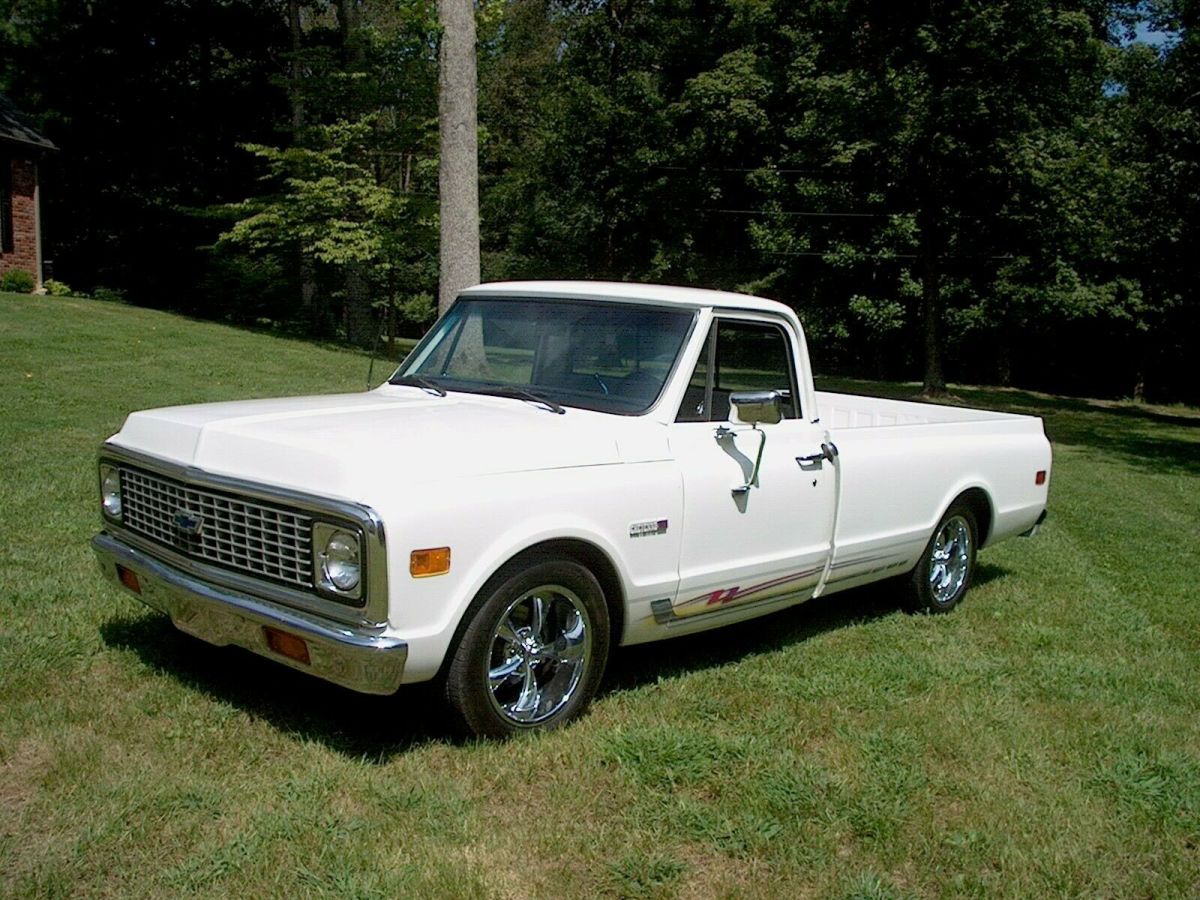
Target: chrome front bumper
point(360, 660)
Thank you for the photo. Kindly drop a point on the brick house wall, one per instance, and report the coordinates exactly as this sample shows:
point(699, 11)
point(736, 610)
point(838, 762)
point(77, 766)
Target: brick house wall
point(19, 233)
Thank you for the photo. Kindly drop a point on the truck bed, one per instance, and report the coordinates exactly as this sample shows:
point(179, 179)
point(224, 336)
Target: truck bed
point(902, 463)
point(856, 411)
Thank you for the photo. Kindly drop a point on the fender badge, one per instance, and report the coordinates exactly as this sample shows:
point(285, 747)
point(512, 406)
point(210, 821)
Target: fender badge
point(645, 529)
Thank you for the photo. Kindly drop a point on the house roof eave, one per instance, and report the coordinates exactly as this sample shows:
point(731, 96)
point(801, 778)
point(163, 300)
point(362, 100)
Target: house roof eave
point(14, 131)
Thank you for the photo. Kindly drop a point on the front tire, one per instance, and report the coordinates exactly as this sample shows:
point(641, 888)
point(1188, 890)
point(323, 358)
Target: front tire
point(942, 576)
point(533, 651)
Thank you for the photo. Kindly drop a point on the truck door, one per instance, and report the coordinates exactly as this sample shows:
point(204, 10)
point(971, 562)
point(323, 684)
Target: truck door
point(748, 548)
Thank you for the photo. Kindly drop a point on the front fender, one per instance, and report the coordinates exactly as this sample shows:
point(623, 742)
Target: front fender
point(488, 521)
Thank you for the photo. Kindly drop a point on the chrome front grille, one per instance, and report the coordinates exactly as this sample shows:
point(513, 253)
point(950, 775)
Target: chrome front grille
point(235, 532)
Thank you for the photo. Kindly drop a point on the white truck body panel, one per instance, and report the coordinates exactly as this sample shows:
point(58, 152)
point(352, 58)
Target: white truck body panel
point(904, 463)
point(492, 476)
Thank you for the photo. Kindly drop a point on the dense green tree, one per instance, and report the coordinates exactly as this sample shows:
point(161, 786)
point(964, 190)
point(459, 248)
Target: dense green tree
point(987, 191)
point(909, 147)
point(1156, 122)
point(608, 127)
point(333, 210)
point(351, 200)
point(146, 101)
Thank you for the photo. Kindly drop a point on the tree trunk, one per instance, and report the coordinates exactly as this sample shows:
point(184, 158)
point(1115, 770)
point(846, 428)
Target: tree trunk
point(458, 173)
point(931, 221)
point(361, 326)
point(1004, 355)
point(1143, 343)
point(934, 382)
point(295, 69)
point(347, 19)
point(930, 244)
point(1141, 359)
point(358, 315)
point(313, 312)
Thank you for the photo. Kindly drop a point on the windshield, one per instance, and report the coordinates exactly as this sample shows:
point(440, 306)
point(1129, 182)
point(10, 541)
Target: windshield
point(611, 357)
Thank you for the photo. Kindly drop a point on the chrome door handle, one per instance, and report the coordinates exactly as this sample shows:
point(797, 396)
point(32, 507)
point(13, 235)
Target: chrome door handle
point(812, 462)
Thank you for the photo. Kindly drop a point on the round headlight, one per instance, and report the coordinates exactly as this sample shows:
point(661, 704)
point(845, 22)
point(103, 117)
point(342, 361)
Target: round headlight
point(110, 492)
point(339, 561)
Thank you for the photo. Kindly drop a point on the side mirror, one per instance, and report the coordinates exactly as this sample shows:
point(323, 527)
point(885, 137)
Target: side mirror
point(755, 408)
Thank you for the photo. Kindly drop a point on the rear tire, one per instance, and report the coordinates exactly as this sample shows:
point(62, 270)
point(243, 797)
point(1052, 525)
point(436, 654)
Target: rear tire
point(944, 572)
point(533, 651)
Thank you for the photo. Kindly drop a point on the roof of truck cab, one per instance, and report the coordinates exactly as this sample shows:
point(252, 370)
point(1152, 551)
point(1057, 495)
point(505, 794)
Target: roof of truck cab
point(629, 292)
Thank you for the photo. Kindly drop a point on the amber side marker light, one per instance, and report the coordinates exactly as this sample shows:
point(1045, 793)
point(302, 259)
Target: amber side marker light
point(287, 644)
point(1040, 477)
point(129, 579)
point(424, 563)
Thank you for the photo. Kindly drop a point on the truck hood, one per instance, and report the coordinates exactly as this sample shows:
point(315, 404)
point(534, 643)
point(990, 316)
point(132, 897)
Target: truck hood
point(339, 445)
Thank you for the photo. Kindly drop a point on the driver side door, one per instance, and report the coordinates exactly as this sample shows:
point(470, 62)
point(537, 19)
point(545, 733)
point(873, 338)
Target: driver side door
point(748, 550)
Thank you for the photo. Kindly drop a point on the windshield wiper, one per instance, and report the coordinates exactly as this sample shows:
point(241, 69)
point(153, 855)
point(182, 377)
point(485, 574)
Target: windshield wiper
point(517, 393)
point(420, 381)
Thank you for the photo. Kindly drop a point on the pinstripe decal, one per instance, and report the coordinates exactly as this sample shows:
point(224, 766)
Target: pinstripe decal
point(729, 595)
point(738, 597)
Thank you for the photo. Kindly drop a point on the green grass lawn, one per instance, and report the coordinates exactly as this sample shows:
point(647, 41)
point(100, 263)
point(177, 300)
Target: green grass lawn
point(1044, 739)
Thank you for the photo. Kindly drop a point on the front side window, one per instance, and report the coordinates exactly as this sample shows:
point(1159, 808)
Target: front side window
point(611, 357)
point(739, 356)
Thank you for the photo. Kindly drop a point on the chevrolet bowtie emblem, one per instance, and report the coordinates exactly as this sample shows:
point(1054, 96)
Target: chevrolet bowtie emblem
point(187, 523)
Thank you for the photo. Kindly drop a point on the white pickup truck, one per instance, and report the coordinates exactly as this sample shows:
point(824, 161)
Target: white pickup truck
point(556, 468)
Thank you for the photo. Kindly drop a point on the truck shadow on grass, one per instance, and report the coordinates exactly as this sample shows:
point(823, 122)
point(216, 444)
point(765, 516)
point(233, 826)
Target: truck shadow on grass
point(356, 725)
point(376, 729)
point(631, 667)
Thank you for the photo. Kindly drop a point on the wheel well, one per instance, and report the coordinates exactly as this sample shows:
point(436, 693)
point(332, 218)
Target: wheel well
point(595, 561)
point(588, 555)
point(977, 500)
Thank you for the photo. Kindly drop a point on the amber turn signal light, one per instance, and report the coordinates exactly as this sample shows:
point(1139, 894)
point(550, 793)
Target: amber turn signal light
point(287, 644)
point(424, 563)
point(129, 579)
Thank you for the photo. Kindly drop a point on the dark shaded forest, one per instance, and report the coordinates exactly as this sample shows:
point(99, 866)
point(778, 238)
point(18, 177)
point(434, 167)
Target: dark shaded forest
point(988, 192)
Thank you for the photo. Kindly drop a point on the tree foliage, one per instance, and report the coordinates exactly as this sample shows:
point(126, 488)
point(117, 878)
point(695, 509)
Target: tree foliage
point(981, 191)
point(350, 199)
point(332, 208)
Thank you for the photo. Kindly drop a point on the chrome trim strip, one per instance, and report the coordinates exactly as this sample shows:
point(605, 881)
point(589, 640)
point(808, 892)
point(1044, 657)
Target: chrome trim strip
point(860, 560)
point(356, 659)
point(886, 567)
point(271, 541)
point(665, 612)
point(665, 615)
point(372, 615)
point(735, 595)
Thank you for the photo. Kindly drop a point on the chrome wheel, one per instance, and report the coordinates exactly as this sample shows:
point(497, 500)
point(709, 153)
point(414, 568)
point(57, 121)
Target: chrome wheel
point(950, 560)
point(539, 652)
